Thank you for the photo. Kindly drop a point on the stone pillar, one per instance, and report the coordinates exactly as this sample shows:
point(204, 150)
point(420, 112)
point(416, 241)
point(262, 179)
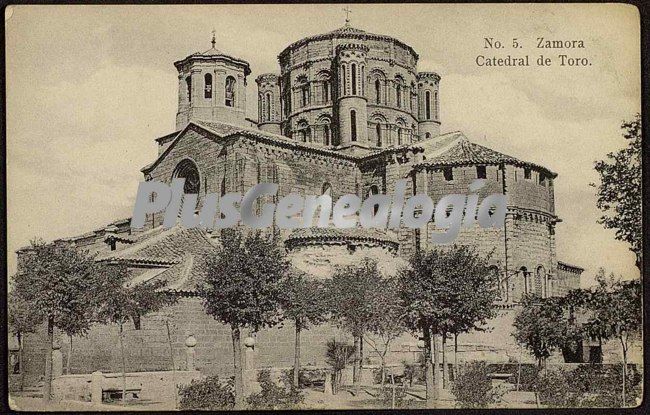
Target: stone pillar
point(250, 374)
point(190, 342)
point(57, 361)
point(328, 383)
point(96, 387)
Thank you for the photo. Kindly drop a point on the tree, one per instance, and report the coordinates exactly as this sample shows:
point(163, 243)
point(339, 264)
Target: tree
point(338, 356)
point(243, 284)
point(387, 320)
point(63, 287)
point(433, 286)
point(471, 294)
point(614, 311)
point(351, 293)
point(619, 191)
point(305, 304)
point(542, 326)
point(20, 320)
point(130, 302)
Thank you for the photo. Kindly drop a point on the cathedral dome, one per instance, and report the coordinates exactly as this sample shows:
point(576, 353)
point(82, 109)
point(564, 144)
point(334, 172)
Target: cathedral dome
point(348, 32)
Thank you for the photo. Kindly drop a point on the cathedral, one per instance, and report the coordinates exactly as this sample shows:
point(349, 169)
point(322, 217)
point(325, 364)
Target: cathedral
point(348, 113)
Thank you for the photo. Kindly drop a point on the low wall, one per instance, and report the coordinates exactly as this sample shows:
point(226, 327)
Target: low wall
point(155, 386)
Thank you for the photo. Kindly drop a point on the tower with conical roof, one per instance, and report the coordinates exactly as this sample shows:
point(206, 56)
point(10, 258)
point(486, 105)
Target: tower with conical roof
point(211, 87)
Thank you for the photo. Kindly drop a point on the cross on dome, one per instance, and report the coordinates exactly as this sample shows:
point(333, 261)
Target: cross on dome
point(347, 11)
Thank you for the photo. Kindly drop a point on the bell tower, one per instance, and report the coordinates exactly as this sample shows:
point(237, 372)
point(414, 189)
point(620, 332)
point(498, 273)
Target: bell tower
point(211, 87)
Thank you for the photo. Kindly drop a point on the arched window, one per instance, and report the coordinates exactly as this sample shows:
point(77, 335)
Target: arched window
point(326, 91)
point(187, 170)
point(435, 104)
point(540, 281)
point(525, 277)
point(398, 91)
point(494, 271)
point(378, 91)
point(343, 80)
point(326, 189)
point(267, 108)
point(304, 97)
point(303, 131)
point(378, 132)
point(363, 79)
point(353, 125)
point(326, 134)
point(427, 135)
point(427, 105)
point(230, 91)
point(188, 82)
point(373, 190)
point(401, 131)
point(207, 91)
point(353, 75)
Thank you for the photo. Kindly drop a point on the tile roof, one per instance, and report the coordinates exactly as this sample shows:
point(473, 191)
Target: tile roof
point(334, 234)
point(461, 152)
point(223, 130)
point(166, 248)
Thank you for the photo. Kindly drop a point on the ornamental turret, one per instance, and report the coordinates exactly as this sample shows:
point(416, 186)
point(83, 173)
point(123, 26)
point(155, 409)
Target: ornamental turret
point(268, 103)
point(352, 112)
point(428, 105)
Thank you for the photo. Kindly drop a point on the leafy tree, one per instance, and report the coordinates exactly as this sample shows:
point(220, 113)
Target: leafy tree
point(63, 287)
point(387, 321)
point(544, 325)
point(351, 293)
point(433, 286)
point(614, 312)
point(305, 304)
point(130, 302)
point(619, 191)
point(471, 293)
point(243, 287)
point(20, 320)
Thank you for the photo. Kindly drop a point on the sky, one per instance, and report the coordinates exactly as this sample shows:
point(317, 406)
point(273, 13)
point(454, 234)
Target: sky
point(90, 87)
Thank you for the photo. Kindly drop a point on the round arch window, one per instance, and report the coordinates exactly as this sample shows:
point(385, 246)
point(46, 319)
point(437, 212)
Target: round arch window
point(187, 170)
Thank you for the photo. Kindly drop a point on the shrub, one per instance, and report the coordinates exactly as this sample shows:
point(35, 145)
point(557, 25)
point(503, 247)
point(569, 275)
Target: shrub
point(588, 386)
point(473, 386)
point(208, 394)
point(401, 400)
point(554, 389)
point(307, 377)
point(527, 378)
point(274, 396)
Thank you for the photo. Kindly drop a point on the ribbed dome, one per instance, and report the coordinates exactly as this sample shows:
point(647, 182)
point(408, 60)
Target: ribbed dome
point(348, 32)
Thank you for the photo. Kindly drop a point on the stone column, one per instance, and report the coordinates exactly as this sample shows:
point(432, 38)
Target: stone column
point(190, 342)
point(57, 361)
point(250, 374)
point(96, 387)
